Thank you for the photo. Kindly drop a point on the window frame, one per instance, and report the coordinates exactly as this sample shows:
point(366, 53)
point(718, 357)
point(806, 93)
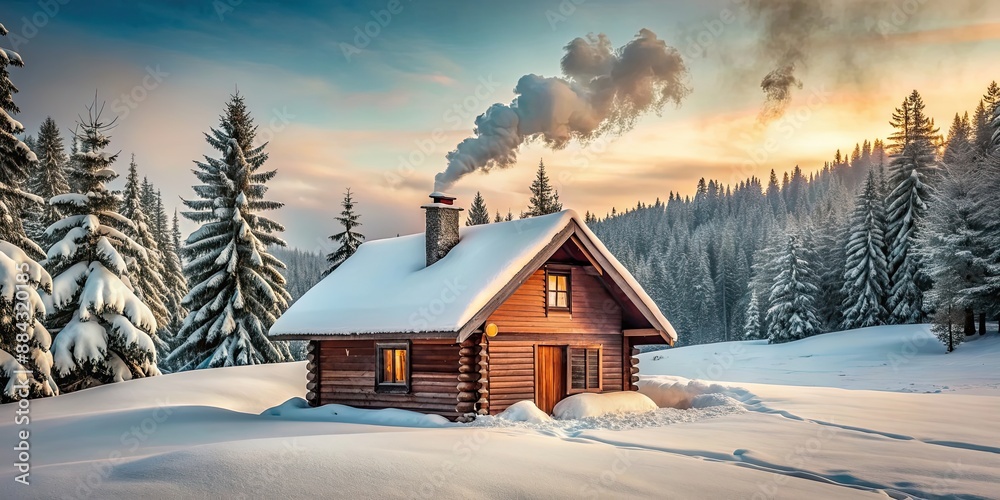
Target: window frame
point(559, 271)
point(392, 387)
point(569, 368)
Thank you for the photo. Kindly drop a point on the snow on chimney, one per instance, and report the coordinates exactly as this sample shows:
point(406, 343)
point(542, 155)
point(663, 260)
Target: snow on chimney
point(441, 234)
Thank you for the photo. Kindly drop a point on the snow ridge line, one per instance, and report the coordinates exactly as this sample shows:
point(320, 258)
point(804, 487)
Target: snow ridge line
point(756, 405)
point(857, 484)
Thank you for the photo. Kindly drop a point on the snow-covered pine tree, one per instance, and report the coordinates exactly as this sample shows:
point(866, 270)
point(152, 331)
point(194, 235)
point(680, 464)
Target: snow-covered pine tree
point(982, 129)
point(177, 288)
point(949, 243)
point(25, 345)
point(913, 165)
point(478, 213)
point(946, 325)
point(349, 239)
point(105, 332)
point(145, 273)
point(866, 278)
point(544, 198)
point(173, 277)
point(237, 290)
point(25, 358)
point(751, 328)
point(986, 215)
point(16, 162)
point(48, 179)
point(792, 314)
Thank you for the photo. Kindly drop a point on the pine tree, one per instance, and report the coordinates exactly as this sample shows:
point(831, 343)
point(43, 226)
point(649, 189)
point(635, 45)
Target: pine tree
point(951, 239)
point(16, 161)
point(105, 332)
point(173, 277)
point(751, 328)
point(25, 345)
point(348, 240)
point(945, 327)
point(478, 213)
point(498, 218)
point(146, 273)
point(866, 278)
point(983, 129)
point(544, 198)
point(986, 215)
point(25, 357)
point(792, 315)
point(48, 179)
point(913, 165)
point(237, 290)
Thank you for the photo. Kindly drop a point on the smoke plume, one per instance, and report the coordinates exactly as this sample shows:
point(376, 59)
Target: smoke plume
point(604, 91)
point(788, 30)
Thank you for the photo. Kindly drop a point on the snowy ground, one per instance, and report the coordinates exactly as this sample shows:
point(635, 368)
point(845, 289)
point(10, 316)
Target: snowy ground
point(812, 419)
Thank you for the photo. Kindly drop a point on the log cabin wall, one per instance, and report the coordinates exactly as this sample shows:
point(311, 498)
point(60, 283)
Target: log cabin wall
point(346, 375)
point(595, 319)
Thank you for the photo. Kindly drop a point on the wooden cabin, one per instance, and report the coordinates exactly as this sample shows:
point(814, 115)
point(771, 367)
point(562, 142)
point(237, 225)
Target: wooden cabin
point(465, 321)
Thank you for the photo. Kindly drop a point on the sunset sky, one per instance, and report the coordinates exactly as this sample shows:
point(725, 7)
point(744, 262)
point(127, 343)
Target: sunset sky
point(379, 117)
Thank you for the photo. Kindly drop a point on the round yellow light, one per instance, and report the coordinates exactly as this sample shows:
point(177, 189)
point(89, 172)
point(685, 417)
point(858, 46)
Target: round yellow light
point(492, 330)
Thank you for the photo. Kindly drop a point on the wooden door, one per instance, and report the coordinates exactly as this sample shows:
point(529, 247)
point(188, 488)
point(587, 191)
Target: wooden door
point(550, 376)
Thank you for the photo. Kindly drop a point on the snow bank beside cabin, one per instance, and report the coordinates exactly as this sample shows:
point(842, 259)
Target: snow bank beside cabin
point(524, 411)
point(298, 409)
point(596, 405)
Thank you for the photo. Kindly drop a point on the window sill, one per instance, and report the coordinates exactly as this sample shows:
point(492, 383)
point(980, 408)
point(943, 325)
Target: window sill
point(392, 389)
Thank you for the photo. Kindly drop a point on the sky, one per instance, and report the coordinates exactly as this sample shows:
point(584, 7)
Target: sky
point(372, 95)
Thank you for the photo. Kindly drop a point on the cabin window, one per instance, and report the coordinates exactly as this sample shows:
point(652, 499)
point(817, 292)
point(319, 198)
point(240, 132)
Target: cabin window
point(393, 362)
point(557, 289)
point(584, 366)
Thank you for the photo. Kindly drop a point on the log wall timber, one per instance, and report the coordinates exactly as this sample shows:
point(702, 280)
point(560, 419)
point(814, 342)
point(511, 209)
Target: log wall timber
point(346, 375)
point(469, 369)
point(312, 373)
point(523, 324)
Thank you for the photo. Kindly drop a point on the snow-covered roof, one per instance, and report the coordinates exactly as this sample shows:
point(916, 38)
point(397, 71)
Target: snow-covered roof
point(386, 287)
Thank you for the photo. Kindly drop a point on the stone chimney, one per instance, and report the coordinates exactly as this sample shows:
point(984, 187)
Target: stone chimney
point(441, 234)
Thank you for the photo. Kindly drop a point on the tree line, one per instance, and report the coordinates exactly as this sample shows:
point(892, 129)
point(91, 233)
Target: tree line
point(97, 285)
point(898, 232)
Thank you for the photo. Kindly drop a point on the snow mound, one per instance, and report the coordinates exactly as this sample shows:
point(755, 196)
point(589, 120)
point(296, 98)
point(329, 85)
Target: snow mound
point(595, 405)
point(297, 409)
point(680, 395)
point(524, 411)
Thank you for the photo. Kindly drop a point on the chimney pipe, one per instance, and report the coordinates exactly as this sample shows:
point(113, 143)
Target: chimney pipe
point(441, 233)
